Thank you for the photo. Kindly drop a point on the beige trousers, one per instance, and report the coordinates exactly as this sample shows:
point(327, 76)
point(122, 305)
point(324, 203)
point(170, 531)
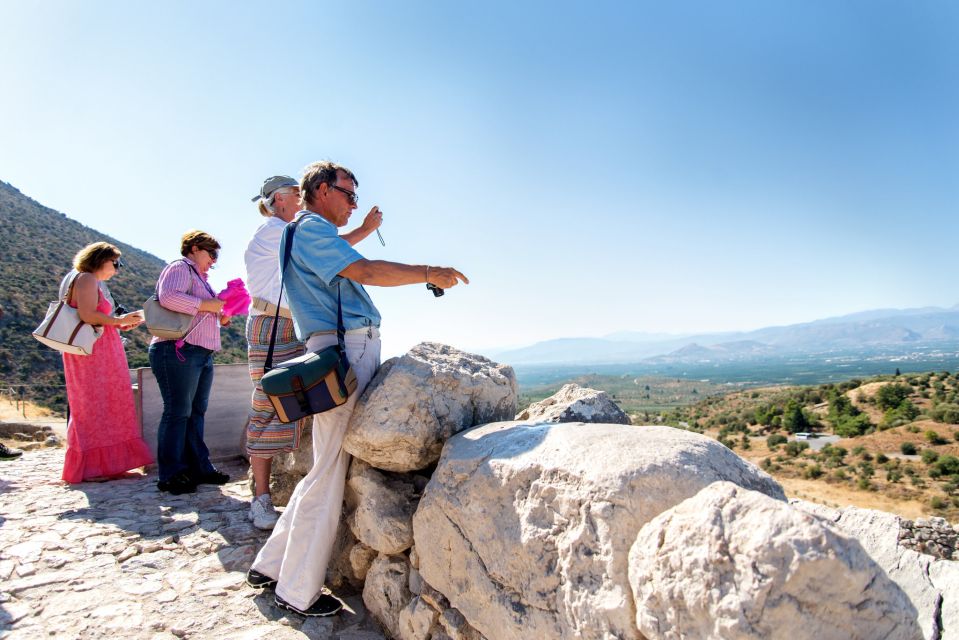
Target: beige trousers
point(298, 551)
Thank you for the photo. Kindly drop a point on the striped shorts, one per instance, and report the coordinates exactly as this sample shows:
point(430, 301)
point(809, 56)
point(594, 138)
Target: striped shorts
point(266, 436)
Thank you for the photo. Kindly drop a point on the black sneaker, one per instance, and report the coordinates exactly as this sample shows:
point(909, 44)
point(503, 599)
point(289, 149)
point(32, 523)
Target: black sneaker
point(177, 485)
point(7, 453)
point(259, 580)
point(326, 605)
point(212, 477)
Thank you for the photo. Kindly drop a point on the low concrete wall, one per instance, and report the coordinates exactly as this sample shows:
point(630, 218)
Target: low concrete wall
point(226, 414)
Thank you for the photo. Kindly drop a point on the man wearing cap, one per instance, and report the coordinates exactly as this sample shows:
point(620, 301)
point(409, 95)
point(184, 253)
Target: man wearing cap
point(266, 436)
point(323, 268)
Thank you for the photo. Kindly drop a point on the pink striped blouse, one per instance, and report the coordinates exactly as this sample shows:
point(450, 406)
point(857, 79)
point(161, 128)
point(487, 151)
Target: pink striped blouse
point(181, 290)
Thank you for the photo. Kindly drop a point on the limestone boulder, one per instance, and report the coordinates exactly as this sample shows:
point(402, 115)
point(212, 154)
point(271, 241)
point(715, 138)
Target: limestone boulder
point(734, 563)
point(416, 620)
point(380, 508)
point(529, 527)
point(385, 593)
point(574, 403)
point(931, 584)
point(416, 402)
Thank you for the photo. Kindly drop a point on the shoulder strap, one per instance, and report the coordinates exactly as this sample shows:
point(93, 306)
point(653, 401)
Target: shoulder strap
point(69, 293)
point(340, 329)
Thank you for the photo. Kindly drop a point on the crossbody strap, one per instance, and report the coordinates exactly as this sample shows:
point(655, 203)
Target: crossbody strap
point(69, 293)
point(340, 328)
point(156, 287)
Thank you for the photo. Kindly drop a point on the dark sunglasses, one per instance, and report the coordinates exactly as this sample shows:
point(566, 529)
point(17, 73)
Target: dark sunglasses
point(213, 253)
point(117, 263)
point(350, 195)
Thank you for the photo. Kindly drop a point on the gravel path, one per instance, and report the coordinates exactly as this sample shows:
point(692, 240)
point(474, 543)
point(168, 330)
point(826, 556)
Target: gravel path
point(121, 560)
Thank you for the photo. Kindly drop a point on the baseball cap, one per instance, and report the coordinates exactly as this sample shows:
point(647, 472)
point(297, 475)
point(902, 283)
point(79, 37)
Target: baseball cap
point(272, 184)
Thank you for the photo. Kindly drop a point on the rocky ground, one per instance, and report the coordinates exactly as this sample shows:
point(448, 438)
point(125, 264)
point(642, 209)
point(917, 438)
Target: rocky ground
point(120, 559)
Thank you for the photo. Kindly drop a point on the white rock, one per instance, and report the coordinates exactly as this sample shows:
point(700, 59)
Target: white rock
point(529, 527)
point(574, 403)
point(380, 508)
point(361, 559)
point(385, 593)
point(455, 626)
point(932, 585)
point(416, 402)
point(733, 563)
point(416, 619)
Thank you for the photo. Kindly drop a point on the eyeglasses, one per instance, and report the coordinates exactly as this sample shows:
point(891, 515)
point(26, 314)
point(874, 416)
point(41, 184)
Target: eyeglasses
point(350, 195)
point(117, 263)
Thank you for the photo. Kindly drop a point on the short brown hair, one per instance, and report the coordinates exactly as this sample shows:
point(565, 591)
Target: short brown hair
point(199, 239)
point(91, 257)
point(321, 173)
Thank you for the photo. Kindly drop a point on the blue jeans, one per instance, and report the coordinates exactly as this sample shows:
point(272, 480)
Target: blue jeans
point(185, 389)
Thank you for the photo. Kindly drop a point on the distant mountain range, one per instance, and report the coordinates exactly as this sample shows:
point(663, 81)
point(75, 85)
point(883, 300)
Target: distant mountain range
point(37, 246)
point(877, 331)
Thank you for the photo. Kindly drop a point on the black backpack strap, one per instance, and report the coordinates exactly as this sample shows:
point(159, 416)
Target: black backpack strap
point(340, 328)
point(290, 230)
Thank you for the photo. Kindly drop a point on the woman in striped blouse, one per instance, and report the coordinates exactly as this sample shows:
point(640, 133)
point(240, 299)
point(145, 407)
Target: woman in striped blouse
point(184, 368)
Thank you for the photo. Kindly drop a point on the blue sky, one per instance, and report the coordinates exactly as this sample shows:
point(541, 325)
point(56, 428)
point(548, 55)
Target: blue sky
point(660, 167)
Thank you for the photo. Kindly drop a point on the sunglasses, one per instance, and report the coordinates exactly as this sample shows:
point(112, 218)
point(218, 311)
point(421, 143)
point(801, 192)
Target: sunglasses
point(213, 253)
point(117, 263)
point(350, 195)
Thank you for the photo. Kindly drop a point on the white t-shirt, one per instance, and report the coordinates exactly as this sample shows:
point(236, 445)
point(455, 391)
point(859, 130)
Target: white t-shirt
point(262, 263)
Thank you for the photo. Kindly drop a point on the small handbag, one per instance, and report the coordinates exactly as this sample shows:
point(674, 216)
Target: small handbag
point(314, 382)
point(63, 330)
point(164, 323)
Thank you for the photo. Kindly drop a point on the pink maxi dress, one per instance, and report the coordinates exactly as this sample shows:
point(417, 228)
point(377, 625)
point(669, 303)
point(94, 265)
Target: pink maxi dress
point(103, 436)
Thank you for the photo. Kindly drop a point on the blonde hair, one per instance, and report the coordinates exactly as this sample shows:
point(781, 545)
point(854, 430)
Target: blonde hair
point(264, 210)
point(91, 257)
point(199, 239)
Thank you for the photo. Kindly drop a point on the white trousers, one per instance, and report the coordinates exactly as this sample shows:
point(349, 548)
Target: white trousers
point(298, 551)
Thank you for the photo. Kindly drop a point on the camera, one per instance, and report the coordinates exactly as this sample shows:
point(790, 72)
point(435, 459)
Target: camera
point(436, 290)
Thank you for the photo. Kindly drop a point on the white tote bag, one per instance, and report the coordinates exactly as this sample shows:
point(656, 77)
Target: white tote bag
point(63, 329)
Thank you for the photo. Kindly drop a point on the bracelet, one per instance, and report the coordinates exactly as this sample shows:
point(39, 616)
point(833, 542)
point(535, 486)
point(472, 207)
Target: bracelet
point(427, 274)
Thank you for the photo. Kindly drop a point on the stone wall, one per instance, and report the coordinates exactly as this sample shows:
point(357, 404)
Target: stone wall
point(934, 537)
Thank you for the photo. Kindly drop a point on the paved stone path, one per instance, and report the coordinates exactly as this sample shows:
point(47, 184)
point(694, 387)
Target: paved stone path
point(120, 559)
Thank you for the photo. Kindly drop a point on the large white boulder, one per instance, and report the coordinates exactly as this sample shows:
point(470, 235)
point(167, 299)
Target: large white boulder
point(380, 508)
point(931, 584)
point(385, 592)
point(734, 563)
point(416, 402)
point(528, 527)
point(574, 403)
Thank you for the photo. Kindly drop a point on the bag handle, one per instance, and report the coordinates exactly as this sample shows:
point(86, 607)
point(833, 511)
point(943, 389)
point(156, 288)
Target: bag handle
point(340, 329)
point(69, 293)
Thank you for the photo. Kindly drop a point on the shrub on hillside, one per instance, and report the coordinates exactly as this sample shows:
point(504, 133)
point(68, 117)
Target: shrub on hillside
point(929, 456)
point(795, 448)
point(945, 412)
point(947, 465)
point(902, 414)
point(775, 440)
point(890, 396)
point(908, 449)
point(933, 437)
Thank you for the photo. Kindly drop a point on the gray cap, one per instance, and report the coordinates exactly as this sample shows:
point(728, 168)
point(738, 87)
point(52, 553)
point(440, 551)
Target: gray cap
point(272, 184)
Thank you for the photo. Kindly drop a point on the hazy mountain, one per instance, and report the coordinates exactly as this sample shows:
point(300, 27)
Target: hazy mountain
point(903, 330)
point(38, 245)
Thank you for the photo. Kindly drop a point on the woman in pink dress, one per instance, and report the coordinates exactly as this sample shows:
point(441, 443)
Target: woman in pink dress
point(103, 436)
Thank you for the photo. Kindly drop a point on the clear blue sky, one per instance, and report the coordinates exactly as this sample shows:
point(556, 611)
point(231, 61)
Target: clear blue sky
point(592, 167)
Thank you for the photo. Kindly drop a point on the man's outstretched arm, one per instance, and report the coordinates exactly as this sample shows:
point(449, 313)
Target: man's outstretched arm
point(381, 273)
